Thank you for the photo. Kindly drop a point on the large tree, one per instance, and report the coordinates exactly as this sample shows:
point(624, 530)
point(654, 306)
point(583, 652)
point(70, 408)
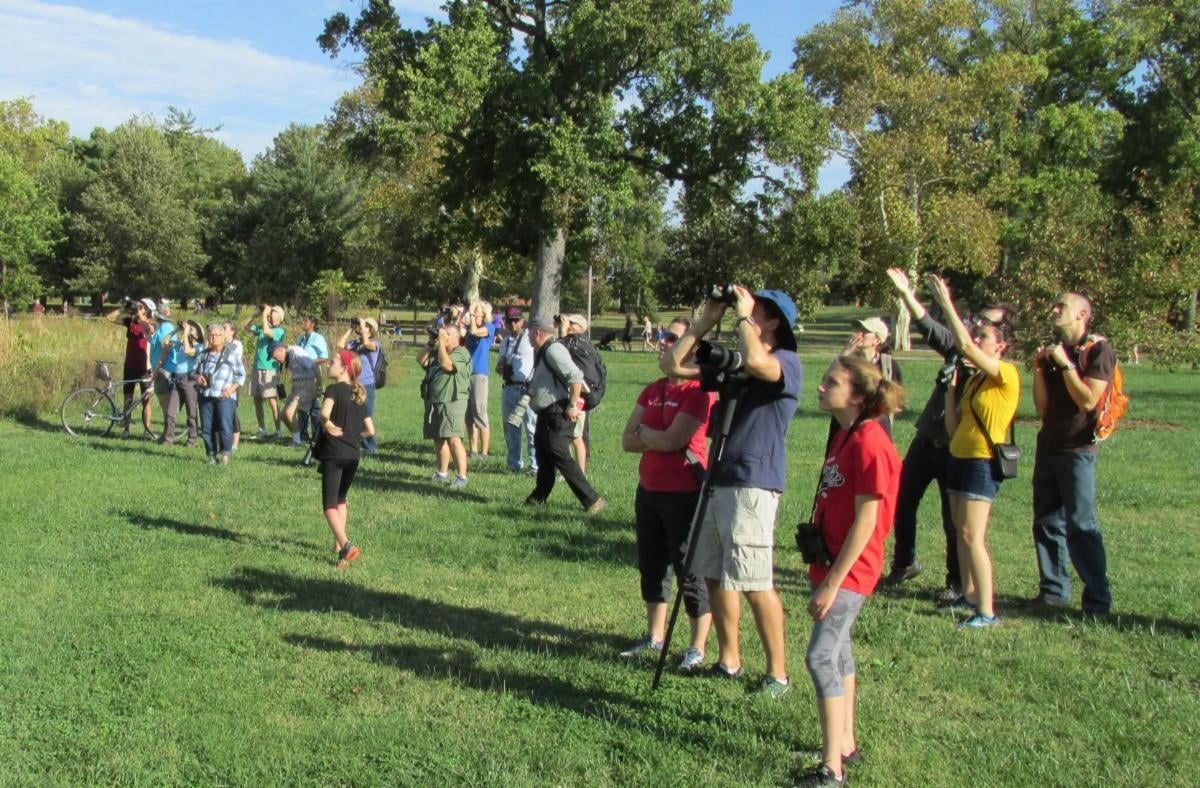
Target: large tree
point(541, 106)
point(135, 230)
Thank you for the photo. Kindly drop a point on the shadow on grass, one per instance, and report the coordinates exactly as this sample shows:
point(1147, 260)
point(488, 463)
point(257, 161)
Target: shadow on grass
point(462, 667)
point(488, 628)
point(30, 419)
point(151, 523)
point(582, 546)
point(1120, 620)
point(388, 482)
point(145, 448)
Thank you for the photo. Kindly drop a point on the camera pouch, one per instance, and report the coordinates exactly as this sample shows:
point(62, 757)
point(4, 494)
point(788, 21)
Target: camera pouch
point(1006, 458)
point(811, 544)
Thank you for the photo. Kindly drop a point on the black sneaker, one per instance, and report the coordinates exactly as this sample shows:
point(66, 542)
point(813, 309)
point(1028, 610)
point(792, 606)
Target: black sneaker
point(821, 776)
point(899, 574)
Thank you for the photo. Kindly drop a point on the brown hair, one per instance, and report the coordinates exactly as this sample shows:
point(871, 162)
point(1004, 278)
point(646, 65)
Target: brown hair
point(357, 389)
point(880, 397)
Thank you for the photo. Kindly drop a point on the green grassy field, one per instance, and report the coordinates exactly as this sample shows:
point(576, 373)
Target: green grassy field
point(171, 623)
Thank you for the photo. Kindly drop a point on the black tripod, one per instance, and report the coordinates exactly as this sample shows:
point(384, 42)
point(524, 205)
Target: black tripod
point(731, 388)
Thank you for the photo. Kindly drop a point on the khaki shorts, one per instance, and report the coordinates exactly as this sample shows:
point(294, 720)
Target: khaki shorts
point(737, 539)
point(578, 431)
point(263, 383)
point(303, 392)
point(445, 419)
point(477, 408)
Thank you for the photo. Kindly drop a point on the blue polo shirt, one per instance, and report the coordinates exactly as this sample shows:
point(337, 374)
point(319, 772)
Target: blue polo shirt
point(479, 347)
point(755, 454)
point(165, 329)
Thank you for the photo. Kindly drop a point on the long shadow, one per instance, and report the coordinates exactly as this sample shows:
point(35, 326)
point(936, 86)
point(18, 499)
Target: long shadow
point(149, 523)
point(1120, 620)
point(488, 628)
point(30, 419)
point(588, 546)
point(388, 482)
point(145, 448)
point(463, 666)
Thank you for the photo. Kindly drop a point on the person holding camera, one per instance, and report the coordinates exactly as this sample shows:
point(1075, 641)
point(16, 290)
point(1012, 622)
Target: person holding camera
point(988, 402)
point(264, 384)
point(179, 367)
point(1071, 376)
point(516, 367)
point(445, 390)
point(554, 392)
point(852, 514)
point(928, 454)
point(139, 325)
point(736, 539)
point(480, 335)
point(572, 332)
point(362, 337)
point(163, 382)
point(667, 427)
point(344, 424)
point(219, 375)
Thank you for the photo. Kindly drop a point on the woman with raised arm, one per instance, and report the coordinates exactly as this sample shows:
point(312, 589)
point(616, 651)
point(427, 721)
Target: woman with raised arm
point(988, 402)
point(853, 511)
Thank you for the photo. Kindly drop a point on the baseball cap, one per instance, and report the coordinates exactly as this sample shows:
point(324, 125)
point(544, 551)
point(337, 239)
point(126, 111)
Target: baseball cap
point(873, 325)
point(577, 319)
point(370, 321)
point(787, 308)
point(271, 348)
point(151, 307)
point(513, 313)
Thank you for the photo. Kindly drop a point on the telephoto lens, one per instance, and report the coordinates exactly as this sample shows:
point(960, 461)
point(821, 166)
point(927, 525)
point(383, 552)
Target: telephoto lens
point(718, 358)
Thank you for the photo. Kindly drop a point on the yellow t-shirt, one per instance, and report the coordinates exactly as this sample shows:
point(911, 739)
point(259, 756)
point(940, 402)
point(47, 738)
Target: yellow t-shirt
point(995, 402)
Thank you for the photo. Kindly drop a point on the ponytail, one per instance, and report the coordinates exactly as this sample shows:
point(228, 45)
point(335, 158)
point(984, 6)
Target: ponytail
point(359, 391)
point(880, 397)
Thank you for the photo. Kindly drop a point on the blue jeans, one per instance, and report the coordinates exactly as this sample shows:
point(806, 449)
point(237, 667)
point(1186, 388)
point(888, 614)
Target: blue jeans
point(311, 415)
point(509, 396)
point(369, 444)
point(1064, 525)
point(216, 424)
point(924, 463)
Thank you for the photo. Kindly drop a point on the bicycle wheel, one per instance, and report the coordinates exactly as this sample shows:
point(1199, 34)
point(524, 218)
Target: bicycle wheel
point(89, 413)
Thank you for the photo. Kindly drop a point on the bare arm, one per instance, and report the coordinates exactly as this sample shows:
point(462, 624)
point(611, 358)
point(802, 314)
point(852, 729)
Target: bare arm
point(631, 440)
point(1040, 400)
point(673, 438)
point(760, 363)
point(368, 427)
point(345, 340)
point(982, 361)
point(866, 511)
point(326, 416)
point(675, 363)
point(952, 416)
point(900, 280)
point(1084, 392)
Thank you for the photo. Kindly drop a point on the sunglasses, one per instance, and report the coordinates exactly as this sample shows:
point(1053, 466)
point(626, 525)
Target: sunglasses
point(669, 338)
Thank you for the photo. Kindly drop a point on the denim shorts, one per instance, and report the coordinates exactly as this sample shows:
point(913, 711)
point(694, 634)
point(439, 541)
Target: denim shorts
point(973, 479)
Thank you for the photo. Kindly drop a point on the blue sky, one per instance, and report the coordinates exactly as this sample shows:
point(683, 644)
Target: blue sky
point(250, 67)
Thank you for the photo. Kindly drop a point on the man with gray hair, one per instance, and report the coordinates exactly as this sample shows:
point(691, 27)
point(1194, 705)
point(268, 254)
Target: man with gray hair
point(554, 393)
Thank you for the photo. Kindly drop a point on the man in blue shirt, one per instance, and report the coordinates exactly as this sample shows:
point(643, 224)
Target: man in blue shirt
point(480, 334)
point(735, 541)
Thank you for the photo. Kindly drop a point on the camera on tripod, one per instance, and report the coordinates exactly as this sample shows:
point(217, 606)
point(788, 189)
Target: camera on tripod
point(719, 358)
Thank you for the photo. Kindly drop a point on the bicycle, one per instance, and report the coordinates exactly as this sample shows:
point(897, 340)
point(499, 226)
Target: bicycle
point(92, 412)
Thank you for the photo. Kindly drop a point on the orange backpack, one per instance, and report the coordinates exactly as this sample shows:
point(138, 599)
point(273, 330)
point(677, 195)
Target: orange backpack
point(1114, 401)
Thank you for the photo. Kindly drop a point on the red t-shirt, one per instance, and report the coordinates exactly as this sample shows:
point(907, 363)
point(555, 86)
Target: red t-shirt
point(864, 464)
point(661, 401)
point(137, 347)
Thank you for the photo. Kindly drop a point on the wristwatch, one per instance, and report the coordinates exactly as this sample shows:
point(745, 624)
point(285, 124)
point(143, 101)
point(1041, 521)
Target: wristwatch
point(745, 319)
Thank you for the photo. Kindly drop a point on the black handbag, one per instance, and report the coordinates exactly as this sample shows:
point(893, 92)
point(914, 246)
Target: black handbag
point(1005, 456)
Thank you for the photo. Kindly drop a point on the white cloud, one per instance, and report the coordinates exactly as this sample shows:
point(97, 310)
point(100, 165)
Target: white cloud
point(92, 69)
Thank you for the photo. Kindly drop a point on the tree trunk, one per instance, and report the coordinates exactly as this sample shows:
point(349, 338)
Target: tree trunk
point(474, 275)
point(547, 280)
point(903, 328)
point(1190, 324)
point(3, 277)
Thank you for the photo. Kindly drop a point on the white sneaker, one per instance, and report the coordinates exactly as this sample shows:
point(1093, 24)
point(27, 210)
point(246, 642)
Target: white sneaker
point(262, 433)
point(692, 659)
point(458, 483)
point(444, 478)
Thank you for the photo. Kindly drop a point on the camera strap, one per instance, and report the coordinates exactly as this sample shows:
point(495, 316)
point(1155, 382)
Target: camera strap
point(821, 476)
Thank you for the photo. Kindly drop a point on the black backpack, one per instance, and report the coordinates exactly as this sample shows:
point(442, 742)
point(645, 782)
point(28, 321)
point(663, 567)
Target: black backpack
point(595, 374)
point(380, 367)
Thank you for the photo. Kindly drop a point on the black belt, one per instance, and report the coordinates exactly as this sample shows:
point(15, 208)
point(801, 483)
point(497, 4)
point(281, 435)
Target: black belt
point(517, 383)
